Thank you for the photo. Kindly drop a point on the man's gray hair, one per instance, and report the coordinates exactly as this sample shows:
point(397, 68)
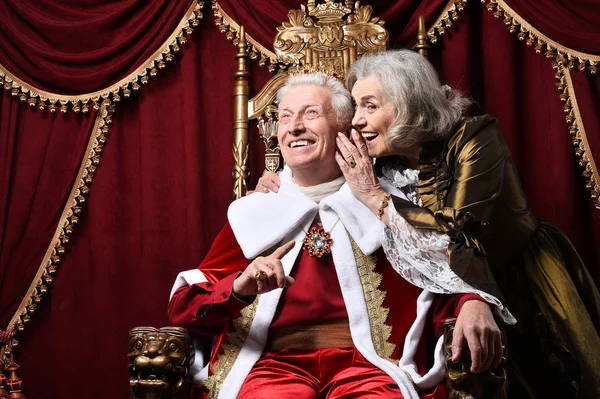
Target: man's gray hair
point(341, 100)
point(424, 109)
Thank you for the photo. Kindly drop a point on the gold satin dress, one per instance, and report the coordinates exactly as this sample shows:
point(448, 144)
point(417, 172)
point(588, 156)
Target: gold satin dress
point(470, 190)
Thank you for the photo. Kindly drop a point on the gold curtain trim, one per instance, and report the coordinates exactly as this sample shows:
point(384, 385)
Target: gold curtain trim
point(446, 19)
point(231, 349)
point(66, 224)
point(132, 82)
point(231, 29)
point(374, 297)
point(578, 135)
point(531, 36)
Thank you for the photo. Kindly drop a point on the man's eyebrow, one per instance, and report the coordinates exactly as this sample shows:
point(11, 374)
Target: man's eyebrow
point(303, 107)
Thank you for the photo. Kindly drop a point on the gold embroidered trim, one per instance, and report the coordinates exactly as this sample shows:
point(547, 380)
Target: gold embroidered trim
point(446, 19)
point(81, 103)
point(525, 32)
point(231, 29)
point(66, 224)
point(231, 350)
point(374, 297)
point(578, 135)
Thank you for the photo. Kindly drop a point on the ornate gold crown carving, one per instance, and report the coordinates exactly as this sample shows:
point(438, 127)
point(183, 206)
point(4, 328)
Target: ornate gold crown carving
point(341, 33)
point(329, 11)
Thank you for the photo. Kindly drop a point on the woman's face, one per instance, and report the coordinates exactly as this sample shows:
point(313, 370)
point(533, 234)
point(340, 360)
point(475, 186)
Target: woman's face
point(373, 116)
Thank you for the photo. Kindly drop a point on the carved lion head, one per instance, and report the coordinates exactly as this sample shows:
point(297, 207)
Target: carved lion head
point(159, 359)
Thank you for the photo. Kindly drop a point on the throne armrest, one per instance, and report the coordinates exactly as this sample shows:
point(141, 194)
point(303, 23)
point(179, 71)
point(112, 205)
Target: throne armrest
point(461, 383)
point(159, 362)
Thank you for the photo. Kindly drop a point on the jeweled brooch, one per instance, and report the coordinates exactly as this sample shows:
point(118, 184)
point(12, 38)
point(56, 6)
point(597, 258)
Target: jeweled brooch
point(317, 242)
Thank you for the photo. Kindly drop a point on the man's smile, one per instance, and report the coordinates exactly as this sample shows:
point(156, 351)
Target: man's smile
point(300, 143)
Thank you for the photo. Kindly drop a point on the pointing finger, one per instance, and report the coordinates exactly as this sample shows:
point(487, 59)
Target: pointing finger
point(283, 250)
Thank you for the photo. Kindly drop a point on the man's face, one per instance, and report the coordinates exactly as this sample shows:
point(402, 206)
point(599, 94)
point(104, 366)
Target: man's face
point(307, 128)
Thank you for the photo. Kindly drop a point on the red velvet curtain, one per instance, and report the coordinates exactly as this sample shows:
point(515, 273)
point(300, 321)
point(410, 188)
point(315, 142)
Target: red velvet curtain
point(40, 154)
point(164, 182)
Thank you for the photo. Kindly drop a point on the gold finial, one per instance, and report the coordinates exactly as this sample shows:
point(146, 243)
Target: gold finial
point(422, 45)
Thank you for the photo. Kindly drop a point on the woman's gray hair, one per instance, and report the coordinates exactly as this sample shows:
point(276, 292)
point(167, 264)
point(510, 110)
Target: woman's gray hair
point(424, 109)
point(341, 100)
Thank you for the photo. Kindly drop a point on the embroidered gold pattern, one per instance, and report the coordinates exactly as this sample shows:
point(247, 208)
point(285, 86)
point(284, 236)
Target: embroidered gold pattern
point(446, 19)
point(532, 37)
point(66, 225)
point(123, 88)
point(577, 131)
point(231, 349)
point(374, 297)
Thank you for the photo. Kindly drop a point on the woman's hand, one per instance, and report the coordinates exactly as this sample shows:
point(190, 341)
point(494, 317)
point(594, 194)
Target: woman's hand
point(357, 166)
point(264, 274)
point(269, 181)
point(476, 325)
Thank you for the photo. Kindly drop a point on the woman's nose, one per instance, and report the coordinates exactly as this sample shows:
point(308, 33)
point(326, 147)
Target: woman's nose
point(358, 121)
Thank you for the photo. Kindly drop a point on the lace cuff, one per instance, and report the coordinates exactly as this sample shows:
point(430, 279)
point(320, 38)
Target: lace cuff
point(421, 257)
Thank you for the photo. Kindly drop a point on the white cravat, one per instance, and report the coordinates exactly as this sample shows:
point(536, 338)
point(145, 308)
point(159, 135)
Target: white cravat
point(320, 191)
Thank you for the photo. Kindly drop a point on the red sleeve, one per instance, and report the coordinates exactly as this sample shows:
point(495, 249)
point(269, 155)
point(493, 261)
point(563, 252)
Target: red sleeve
point(447, 306)
point(205, 308)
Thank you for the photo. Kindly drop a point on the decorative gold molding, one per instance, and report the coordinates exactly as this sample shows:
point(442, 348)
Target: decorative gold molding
point(231, 349)
point(578, 135)
point(66, 224)
point(230, 28)
point(132, 82)
point(374, 297)
point(258, 105)
point(241, 146)
point(532, 37)
point(446, 19)
point(267, 128)
point(241, 171)
point(329, 37)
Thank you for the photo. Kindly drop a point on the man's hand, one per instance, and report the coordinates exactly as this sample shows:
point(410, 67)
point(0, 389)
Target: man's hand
point(264, 274)
point(269, 181)
point(476, 325)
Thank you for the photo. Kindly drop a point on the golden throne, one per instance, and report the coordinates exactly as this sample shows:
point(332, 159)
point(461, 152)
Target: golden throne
point(327, 37)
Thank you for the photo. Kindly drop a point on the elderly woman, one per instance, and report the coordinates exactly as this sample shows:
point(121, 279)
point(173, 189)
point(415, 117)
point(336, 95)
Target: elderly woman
point(459, 179)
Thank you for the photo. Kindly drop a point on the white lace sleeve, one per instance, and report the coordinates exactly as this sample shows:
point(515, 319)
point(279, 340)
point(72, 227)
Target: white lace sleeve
point(421, 257)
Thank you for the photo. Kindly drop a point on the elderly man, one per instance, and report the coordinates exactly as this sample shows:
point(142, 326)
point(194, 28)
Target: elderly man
point(296, 295)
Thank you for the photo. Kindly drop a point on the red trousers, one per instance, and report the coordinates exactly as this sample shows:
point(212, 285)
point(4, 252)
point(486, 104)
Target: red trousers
point(328, 373)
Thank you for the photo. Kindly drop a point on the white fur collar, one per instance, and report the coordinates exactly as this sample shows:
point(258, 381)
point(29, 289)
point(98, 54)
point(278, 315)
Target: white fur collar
point(261, 221)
